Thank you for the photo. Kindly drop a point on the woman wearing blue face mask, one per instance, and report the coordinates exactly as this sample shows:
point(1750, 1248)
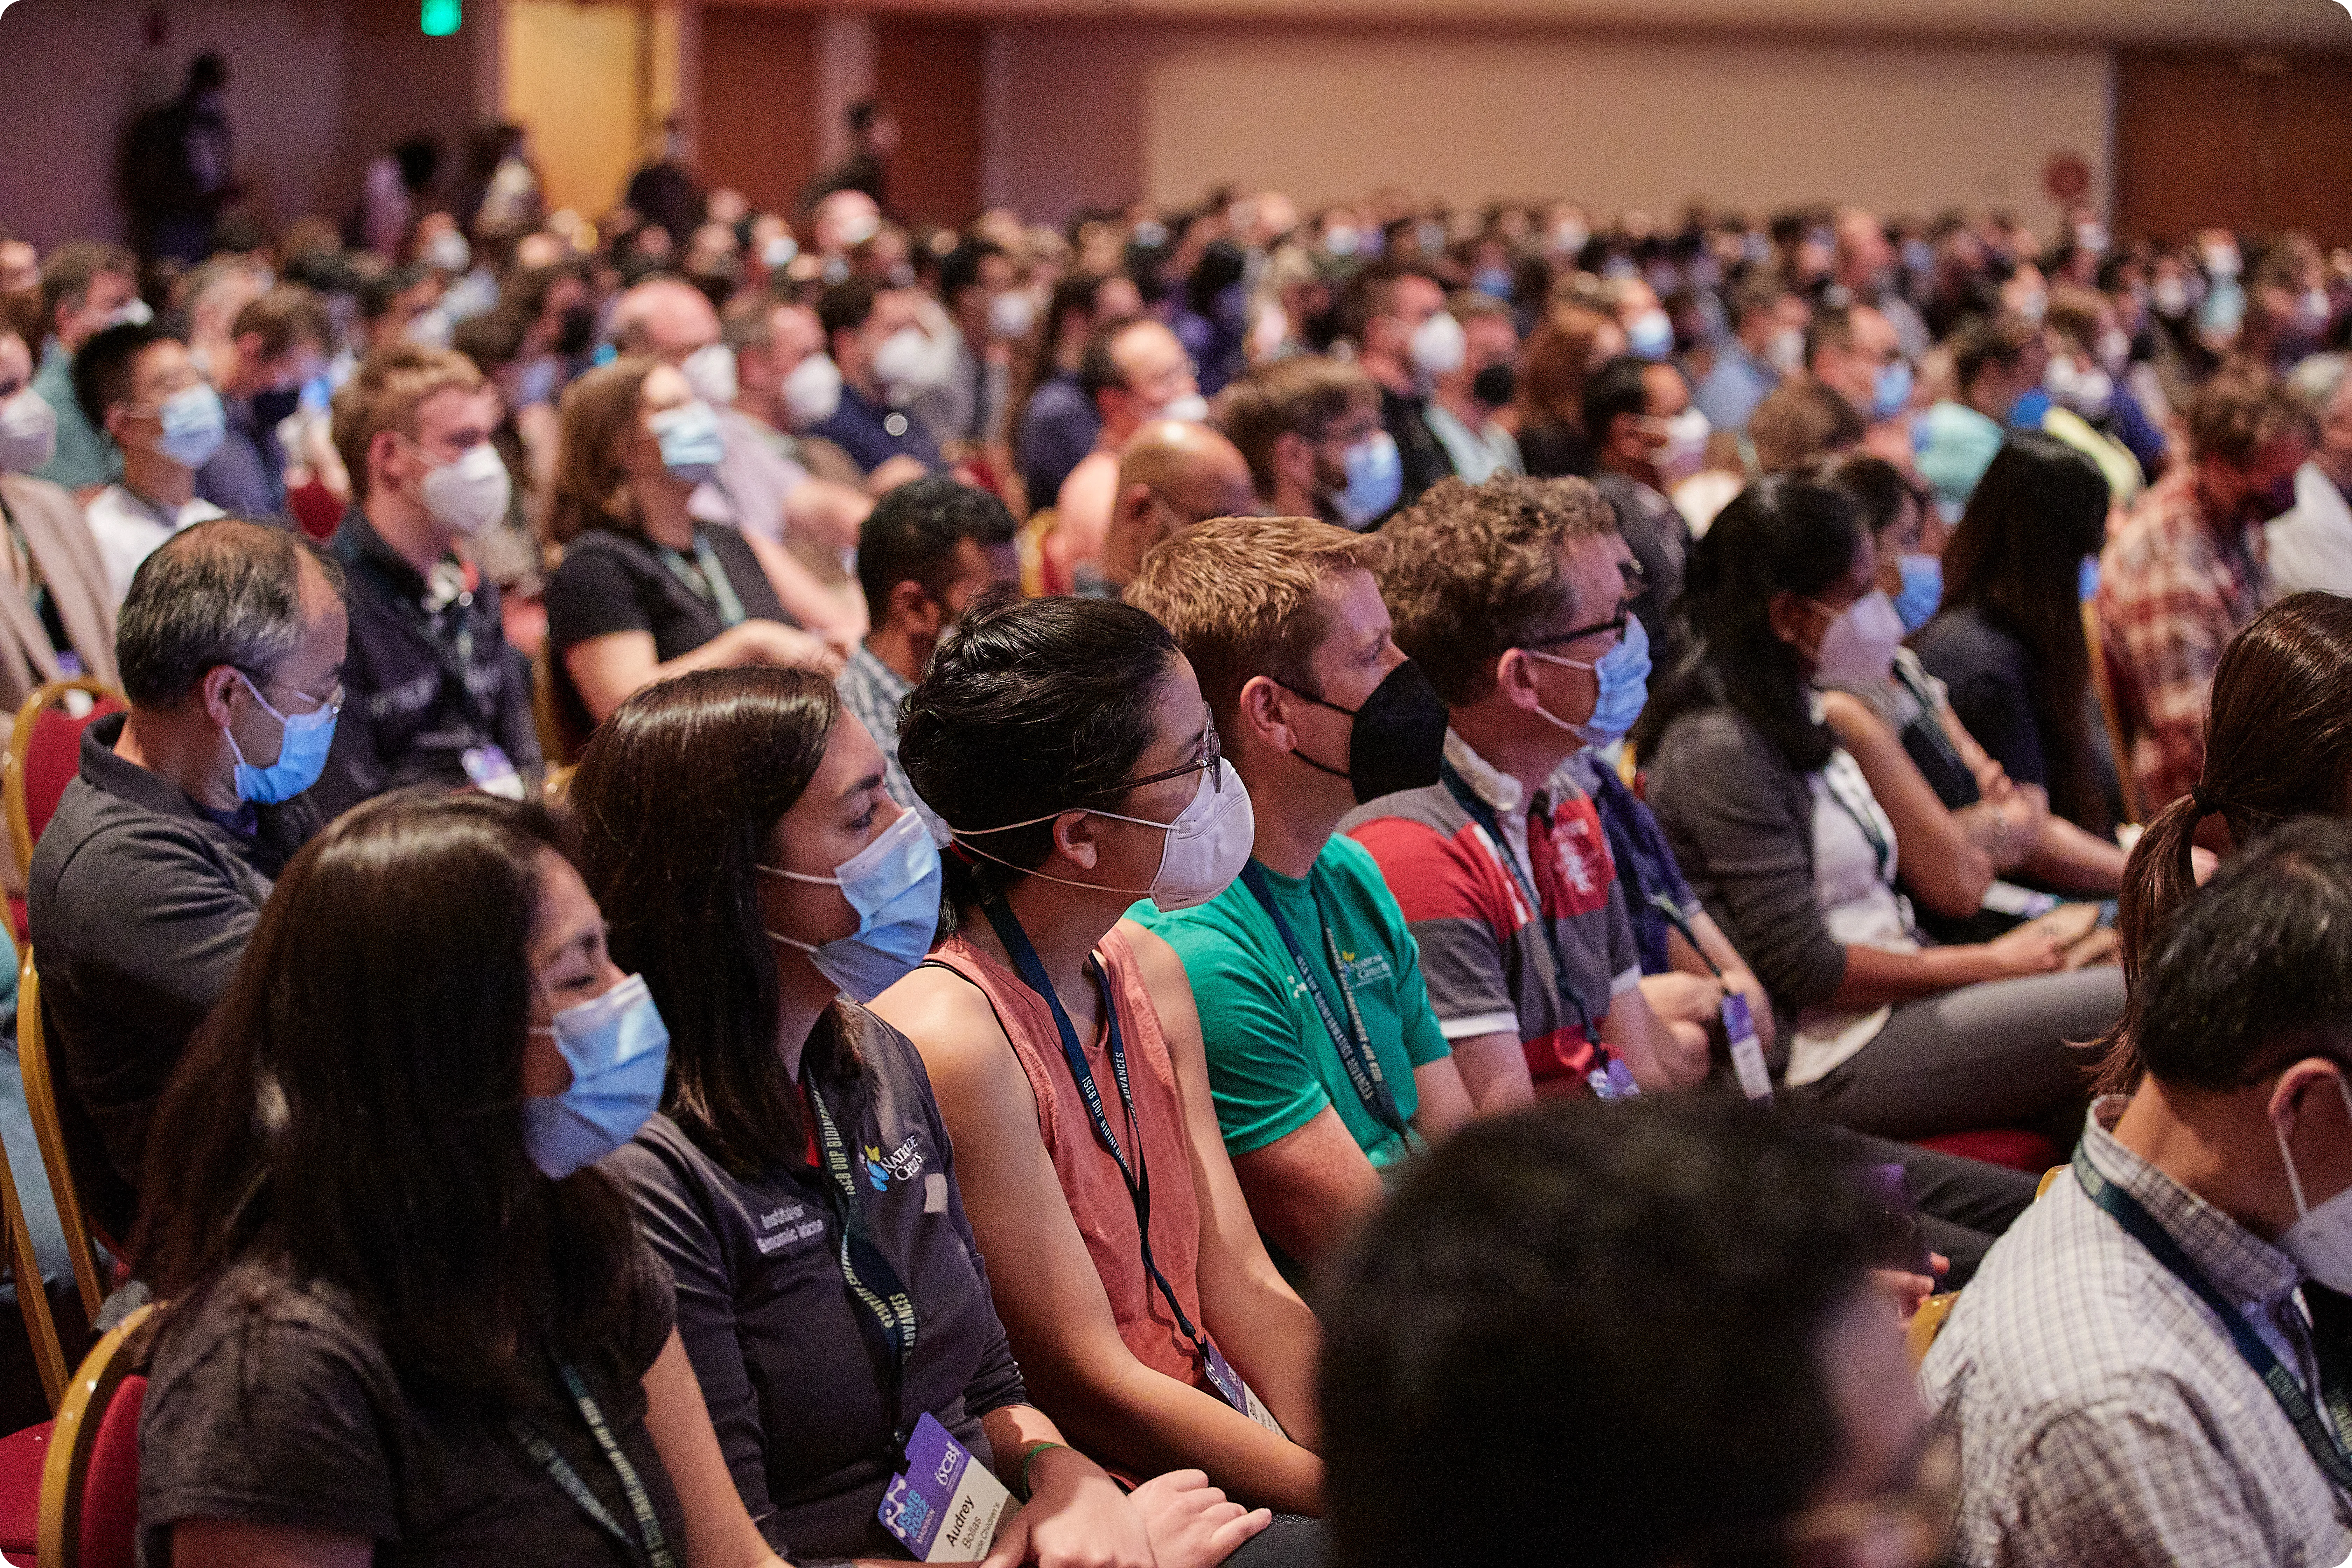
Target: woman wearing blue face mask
point(645, 590)
point(802, 1187)
point(1968, 831)
point(1784, 839)
point(406, 1319)
point(1067, 747)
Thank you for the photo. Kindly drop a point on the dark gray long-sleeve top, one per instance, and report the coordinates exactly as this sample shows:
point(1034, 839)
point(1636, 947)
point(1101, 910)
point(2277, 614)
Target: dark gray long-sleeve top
point(794, 1388)
point(1739, 816)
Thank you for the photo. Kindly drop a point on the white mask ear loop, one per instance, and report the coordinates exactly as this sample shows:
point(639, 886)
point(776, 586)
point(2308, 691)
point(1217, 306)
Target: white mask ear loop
point(2294, 1181)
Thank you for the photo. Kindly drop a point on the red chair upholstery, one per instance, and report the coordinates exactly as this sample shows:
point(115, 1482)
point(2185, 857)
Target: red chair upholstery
point(44, 754)
point(22, 1455)
point(2012, 1146)
point(109, 1492)
point(89, 1476)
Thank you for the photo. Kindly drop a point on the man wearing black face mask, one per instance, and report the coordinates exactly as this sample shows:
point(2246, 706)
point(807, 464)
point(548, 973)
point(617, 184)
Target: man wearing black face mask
point(1325, 1057)
point(1461, 408)
point(2187, 572)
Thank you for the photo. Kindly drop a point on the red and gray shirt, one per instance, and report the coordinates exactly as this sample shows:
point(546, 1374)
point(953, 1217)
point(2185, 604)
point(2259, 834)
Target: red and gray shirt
point(1489, 968)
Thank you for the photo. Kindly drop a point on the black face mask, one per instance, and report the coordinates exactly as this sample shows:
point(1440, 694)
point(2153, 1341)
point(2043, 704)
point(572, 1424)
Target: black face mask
point(1398, 739)
point(578, 334)
point(1494, 385)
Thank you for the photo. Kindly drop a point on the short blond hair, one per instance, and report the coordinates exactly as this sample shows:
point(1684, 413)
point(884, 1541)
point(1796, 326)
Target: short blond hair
point(1243, 597)
point(384, 394)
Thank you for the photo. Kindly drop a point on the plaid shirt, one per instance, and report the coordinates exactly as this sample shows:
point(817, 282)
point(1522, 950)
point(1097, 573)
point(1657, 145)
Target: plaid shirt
point(2171, 594)
point(872, 691)
point(2105, 1419)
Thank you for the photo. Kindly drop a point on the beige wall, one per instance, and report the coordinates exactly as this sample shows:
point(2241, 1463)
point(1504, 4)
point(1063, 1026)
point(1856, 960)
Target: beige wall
point(1083, 113)
point(316, 86)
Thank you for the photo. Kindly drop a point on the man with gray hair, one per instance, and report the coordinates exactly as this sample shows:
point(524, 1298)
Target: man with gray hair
point(153, 871)
point(2310, 547)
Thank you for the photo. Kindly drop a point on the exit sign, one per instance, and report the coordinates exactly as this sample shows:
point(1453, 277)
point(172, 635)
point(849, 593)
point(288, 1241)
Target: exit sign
point(440, 18)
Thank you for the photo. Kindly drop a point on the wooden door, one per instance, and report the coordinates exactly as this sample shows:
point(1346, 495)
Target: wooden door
point(759, 78)
point(930, 74)
point(2258, 140)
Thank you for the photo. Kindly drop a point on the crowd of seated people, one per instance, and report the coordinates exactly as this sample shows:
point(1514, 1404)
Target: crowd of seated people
point(799, 887)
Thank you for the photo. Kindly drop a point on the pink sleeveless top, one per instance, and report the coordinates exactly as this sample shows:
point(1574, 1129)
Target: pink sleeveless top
point(1090, 1181)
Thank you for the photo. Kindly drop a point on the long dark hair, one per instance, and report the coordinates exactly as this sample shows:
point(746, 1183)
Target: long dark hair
point(677, 793)
point(2278, 746)
point(351, 1109)
point(2016, 559)
point(1779, 535)
point(1072, 296)
point(1033, 706)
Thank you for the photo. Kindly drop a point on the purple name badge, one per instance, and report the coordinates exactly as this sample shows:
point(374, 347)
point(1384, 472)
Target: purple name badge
point(1746, 1050)
point(942, 1507)
point(1612, 1079)
point(1237, 1392)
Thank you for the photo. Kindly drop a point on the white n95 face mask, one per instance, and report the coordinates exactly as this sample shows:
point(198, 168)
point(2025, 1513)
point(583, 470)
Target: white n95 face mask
point(1208, 843)
point(2320, 1240)
point(28, 432)
point(711, 372)
point(468, 495)
point(1858, 647)
point(812, 391)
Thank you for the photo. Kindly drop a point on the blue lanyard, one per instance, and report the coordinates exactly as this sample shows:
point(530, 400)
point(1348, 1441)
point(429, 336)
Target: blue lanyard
point(2322, 1438)
point(867, 1272)
point(1483, 816)
point(1351, 1039)
point(1137, 1175)
point(651, 1544)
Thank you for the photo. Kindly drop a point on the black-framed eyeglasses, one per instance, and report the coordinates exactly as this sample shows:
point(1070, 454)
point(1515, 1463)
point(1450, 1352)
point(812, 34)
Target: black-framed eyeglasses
point(1616, 623)
point(1209, 760)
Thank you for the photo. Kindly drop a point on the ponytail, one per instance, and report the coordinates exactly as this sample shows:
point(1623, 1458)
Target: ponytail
point(2158, 880)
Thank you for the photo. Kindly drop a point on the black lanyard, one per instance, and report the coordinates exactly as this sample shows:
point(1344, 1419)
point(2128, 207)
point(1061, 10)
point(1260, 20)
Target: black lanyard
point(1929, 720)
point(650, 1544)
point(2324, 1437)
point(1137, 1175)
point(1483, 816)
point(705, 578)
point(868, 1273)
point(1351, 1039)
point(453, 656)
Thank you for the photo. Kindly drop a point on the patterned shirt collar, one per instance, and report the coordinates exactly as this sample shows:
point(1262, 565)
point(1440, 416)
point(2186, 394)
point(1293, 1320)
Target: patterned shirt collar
point(2241, 1266)
point(886, 681)
point(1500, 789)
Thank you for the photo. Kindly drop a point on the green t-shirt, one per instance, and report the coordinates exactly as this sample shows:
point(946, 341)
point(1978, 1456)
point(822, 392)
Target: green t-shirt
point(1272, 1063)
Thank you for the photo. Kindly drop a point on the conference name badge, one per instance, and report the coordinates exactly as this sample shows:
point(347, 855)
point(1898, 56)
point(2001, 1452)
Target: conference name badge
point(1239, 1394)
point(942, 1507)
point(1746, 1050)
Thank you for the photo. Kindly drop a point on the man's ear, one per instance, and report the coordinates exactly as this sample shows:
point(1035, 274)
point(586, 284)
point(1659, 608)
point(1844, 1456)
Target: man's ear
point(1294, 458)
point(912, 606)
point(215, 690)
point(1134, 504)
point(1264, 712)
point(1515, 679)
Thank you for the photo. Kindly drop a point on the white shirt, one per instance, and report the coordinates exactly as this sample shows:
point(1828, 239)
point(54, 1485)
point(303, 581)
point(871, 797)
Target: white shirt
point(2310, 547)
point(1853, 884)
point(128, 527)
point(1478, 455)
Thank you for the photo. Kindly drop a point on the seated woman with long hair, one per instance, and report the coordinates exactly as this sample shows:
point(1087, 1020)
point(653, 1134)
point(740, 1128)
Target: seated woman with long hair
point(2278, 746)
point(645, 590)
point(2007, 639)
point(1961, 822)
point(1782, 839)
point(1067, 745)
point(408, 1321)
point(759, 876)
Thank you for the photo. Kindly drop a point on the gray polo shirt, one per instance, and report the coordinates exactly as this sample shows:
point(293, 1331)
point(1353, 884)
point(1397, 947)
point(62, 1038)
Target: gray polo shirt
point(140, 904)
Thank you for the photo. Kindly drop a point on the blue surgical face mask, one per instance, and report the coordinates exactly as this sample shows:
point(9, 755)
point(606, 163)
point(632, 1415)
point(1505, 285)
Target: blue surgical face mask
point(303, 742)
point(1495, 282)
point(1651, 335)
point(1922, 591)
point(1624, 676)
point(894, 885)
point(1891, 393)
point(2086, 579)
point(194, 424)
point(691, 446)
point(618, 1050)
point(1375, 480)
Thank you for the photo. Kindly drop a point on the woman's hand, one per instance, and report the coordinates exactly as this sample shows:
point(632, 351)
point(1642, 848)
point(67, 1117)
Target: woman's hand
point(772, 642)
point(1192, 1523)
point(2027, 949)
point(1077, 1517)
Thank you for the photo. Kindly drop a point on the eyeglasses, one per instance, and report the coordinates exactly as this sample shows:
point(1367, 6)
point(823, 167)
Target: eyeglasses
point(1209, 760)
point(332, 702)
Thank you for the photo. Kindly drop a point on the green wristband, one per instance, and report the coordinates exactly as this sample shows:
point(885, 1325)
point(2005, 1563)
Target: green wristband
point(1030, 1464)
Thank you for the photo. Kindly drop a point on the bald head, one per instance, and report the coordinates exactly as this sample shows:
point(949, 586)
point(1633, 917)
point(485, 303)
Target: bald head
point(666, 319)
point(1172, 475)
